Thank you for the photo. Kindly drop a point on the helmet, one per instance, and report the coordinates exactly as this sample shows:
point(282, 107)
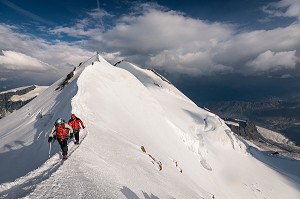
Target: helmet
point(73, 115)
point(59, 121)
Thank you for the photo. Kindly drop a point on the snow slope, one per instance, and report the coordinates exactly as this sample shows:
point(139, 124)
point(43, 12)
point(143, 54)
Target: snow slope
point(188, 152)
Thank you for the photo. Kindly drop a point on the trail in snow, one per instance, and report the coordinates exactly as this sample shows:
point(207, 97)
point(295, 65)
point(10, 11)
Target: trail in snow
point(26, 184)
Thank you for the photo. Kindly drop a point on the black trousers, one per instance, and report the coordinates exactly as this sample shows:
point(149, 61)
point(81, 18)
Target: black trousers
point(76, 135)
point(63, 145)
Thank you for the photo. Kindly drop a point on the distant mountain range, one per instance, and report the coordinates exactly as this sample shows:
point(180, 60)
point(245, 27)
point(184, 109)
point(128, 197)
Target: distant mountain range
point(275, 114)
point(14, 99)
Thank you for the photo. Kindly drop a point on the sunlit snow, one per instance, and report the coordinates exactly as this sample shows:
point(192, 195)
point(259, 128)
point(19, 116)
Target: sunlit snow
point(143, 139)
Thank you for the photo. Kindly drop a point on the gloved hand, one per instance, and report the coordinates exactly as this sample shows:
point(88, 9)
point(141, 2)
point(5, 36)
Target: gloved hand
point(83, 127)
point(50, 139)
point(67, 136)
point(71, 135)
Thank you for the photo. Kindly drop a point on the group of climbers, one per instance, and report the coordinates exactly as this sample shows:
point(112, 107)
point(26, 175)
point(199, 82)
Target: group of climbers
point(62, 131)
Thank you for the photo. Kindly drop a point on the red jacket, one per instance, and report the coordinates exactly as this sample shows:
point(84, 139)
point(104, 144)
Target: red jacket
point(61, 132)
point(75, 123)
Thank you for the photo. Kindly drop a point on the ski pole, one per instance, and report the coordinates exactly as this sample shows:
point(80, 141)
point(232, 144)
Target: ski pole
point(50, 146)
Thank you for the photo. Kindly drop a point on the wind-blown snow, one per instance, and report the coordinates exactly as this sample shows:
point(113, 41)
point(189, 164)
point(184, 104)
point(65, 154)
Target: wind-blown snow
point(189, 152)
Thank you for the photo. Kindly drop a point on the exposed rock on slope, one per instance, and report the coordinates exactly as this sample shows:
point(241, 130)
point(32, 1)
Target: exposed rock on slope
point(16, 98)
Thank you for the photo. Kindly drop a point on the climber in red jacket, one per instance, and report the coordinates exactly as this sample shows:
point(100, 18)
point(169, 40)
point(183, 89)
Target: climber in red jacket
point(61, 132)
point(76, 125)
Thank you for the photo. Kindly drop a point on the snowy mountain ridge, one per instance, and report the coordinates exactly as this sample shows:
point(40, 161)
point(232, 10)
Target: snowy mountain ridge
point(144, 139)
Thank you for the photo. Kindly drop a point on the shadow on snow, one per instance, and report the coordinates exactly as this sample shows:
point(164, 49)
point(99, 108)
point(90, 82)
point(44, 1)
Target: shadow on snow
point(129, 194)
point(21, 161)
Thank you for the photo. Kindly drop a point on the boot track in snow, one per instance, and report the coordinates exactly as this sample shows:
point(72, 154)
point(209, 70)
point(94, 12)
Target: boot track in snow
point(23, 186)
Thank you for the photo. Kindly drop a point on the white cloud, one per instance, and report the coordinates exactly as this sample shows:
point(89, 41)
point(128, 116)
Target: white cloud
point(273, 61)
point(58, 54)
point(190, 63)
point(92, 26)
point(50, 61)
point(2, 79)
point(284, 8)
point(157, 37)
point(18, 61)
point(244, 47)
point(165, 30)
point(170, 40)
point(176, 43)
point(78, 31)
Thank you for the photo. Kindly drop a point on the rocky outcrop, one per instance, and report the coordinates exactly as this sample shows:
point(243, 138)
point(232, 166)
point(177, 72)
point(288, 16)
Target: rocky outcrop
point(278, 115)
point(7, 106)
point(245, 129)
point(249, 131)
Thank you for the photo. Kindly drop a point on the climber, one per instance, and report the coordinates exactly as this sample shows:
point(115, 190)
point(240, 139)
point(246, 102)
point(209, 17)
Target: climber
point(76, 125)
point(61, 131)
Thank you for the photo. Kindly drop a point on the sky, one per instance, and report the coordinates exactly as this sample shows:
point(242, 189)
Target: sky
point(238, 48)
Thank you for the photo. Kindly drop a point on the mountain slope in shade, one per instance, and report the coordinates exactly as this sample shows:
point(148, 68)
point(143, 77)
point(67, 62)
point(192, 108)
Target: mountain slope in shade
point(144, 139)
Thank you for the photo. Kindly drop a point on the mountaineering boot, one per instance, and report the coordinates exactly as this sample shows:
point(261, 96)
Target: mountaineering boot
point(77, 142)
point(65, 157)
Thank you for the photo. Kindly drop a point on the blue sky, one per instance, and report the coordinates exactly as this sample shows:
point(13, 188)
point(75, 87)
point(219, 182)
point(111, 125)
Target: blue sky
point(188, 41)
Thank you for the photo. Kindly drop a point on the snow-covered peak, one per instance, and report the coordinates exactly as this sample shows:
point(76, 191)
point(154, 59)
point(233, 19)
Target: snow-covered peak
point(142, 141)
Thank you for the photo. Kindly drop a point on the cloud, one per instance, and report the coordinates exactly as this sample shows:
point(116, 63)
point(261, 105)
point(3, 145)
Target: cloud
point(154, 36)
point(158, 30)
point(2, 79)
point(48, 61)
point(76, 31)
point(18, 61)
point(190, 63)
point(173, 42)
point(91, 27)
point(168, 40)
point(283, 8)
point(59, 54)
point(246, 46)
point(273, 61)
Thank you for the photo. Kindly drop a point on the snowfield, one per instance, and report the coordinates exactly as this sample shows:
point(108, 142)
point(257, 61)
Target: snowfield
point(143, 139)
